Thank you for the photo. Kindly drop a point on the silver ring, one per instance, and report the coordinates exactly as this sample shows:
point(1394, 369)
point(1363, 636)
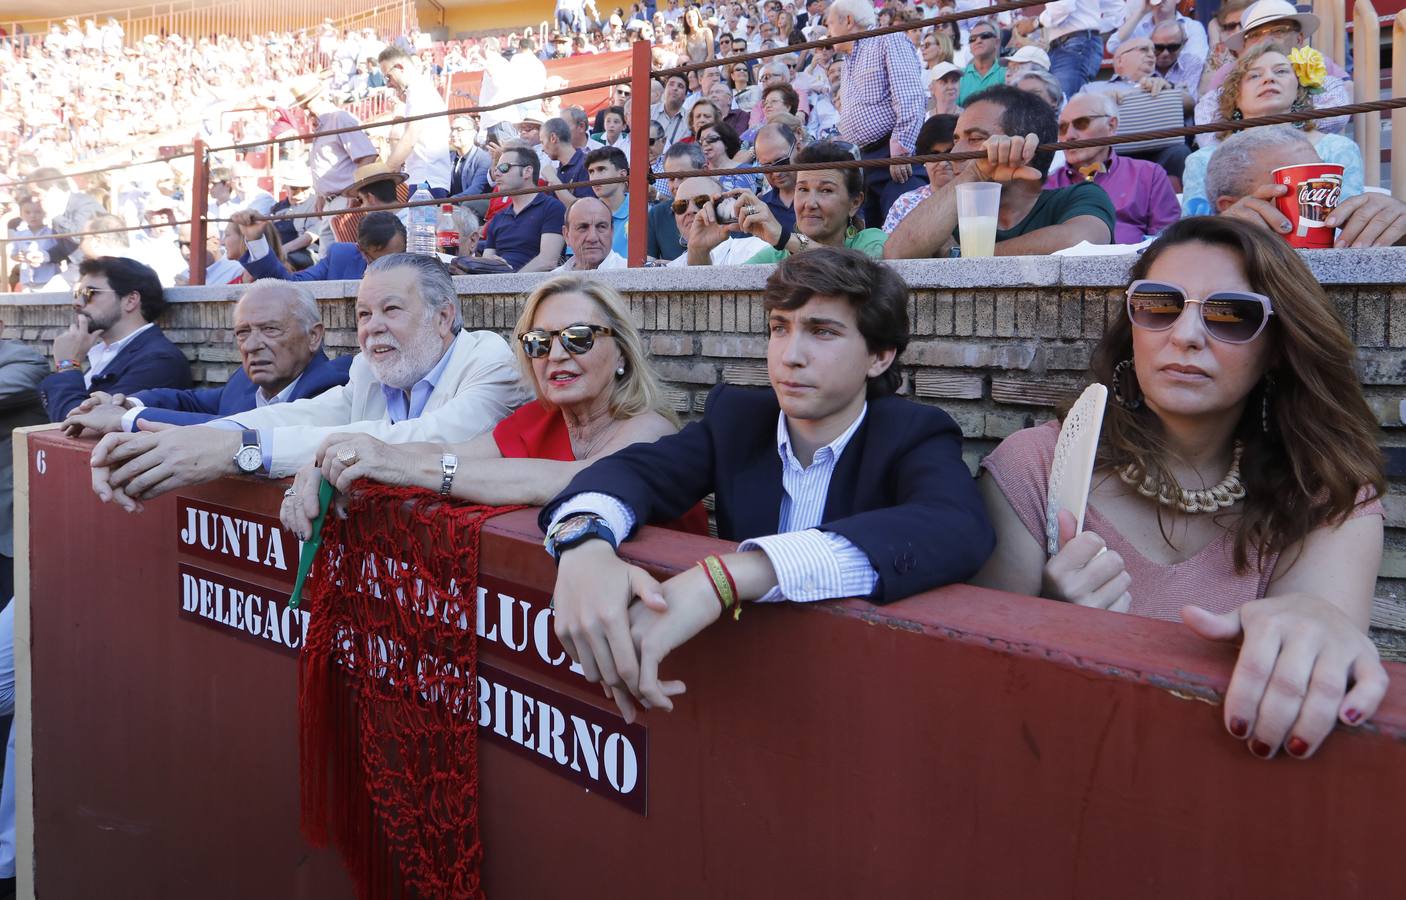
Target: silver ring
point(347, 456)
point(291, 492)
point(749, 209)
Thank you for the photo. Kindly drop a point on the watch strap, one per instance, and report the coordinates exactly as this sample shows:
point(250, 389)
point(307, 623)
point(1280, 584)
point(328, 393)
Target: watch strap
point(448, 465)
point(785, 238)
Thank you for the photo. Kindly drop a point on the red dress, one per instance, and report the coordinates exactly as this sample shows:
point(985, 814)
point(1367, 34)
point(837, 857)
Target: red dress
point(536, 432)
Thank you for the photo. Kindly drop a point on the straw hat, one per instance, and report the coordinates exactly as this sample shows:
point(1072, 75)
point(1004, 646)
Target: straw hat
point(372, 171)
point(305, 88)
point(1265, 11)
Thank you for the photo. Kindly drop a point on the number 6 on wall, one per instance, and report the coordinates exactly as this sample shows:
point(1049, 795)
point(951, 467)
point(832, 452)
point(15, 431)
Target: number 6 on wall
point(41, 464)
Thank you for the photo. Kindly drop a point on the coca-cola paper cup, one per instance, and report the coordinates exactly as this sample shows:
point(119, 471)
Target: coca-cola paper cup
point(1313, 193)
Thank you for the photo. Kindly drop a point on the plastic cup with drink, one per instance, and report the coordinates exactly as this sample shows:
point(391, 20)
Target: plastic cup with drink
point(1314, 191)
point(977, 206)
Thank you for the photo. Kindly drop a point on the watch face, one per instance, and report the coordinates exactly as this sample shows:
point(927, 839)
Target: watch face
point(249, 459)
point(571, 529)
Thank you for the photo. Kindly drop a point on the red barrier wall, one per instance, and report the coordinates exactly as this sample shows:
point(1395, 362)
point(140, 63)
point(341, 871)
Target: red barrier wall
point(964, 743)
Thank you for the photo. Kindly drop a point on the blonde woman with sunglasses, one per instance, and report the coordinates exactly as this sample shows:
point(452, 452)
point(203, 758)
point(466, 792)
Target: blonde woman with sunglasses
point(1237, 484)
point(595, 394)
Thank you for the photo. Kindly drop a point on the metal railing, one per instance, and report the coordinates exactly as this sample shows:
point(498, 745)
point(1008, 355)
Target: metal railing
point(1398, 117)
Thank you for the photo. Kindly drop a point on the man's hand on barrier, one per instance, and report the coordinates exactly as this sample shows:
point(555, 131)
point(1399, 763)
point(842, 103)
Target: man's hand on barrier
point(96, 418)
point(1303, 666)
point(1369, 220)
point(345, 458)
point(300, 502)
point(1008, 159)
point(591, 601)
point(692, 606)
point(1259, 209)
point(163, 457)
point(1084, 572)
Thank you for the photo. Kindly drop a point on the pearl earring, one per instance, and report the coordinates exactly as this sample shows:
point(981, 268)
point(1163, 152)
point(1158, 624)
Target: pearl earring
point(620, 372)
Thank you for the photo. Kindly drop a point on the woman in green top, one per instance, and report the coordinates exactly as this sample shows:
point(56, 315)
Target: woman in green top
point(827, 206)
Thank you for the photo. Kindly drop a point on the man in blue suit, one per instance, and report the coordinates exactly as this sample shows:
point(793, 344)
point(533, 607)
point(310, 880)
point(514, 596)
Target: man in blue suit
point(835, 486)
point(378, 235)
point(117, 302)
point(278, 330)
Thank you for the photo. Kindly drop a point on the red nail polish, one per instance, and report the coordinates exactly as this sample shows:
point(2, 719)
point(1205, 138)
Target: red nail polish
point(1353, 716)
point(1239, 727)
point(1296, 746)
point(1261, 749)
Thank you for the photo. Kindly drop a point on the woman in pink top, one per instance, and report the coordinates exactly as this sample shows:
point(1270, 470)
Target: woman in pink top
point(1236, 484)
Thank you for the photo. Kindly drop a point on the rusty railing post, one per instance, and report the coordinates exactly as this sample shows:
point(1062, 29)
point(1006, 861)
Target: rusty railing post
point(1398, 116)
point(199, 208)
point(1367, 73)
point(639, 151)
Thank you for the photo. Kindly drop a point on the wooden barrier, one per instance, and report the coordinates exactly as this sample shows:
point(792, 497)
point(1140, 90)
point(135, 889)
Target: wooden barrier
point(964, 743)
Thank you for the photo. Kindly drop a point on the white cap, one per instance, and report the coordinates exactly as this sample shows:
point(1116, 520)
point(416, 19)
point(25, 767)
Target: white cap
point(1265, 11)
point(1031, 54)
point(941, 70)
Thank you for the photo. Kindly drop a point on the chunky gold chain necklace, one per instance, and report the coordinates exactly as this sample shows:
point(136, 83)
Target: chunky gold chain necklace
point(1210, 499)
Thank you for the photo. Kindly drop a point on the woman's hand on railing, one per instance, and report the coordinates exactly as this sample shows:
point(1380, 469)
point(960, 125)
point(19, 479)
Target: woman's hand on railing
point(1085, 572)
point(1303, 666)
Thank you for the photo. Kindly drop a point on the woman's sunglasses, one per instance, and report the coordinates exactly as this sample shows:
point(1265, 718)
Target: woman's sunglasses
point(1233, 317)
point(575, 339)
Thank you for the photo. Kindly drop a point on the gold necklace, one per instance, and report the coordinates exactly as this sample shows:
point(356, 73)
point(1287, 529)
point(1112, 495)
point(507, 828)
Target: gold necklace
point(1219, 496)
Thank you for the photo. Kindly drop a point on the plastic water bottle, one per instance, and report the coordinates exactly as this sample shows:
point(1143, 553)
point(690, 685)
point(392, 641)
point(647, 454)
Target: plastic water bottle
point(422, 222)
point(446, 232)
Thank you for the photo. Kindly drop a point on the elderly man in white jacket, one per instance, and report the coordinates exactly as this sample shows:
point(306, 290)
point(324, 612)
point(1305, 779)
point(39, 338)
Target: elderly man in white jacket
point(420, 377)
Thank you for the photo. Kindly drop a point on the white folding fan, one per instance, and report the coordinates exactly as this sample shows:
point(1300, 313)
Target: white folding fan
point(1073, 468)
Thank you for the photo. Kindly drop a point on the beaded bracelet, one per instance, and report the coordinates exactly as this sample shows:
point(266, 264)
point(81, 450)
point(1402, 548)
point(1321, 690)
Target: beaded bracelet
point(724, 587)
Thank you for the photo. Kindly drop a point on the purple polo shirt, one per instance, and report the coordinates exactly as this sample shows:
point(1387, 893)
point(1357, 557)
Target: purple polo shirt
point(1142, 195)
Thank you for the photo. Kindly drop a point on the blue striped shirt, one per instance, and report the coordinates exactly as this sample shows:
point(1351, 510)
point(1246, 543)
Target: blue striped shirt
point(810, 564)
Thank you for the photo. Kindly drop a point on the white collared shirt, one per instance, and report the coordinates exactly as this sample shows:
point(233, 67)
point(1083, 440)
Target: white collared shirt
point(101, 354)
point(810, 564)
point(613, 261)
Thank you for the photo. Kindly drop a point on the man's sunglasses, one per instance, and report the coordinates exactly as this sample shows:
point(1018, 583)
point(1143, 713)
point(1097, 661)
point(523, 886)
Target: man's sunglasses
point(504, 168)
point(575, 339)
point(1233, 317)
point(681, 206)
point(982, 36)
point(1166, 48)
point(84, 295)
point(1080, 124)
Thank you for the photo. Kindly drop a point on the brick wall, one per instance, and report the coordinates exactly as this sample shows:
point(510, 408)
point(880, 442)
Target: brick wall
point(997, 343)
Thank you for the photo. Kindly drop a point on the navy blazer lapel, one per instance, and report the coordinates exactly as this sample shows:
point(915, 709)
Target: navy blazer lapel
point(127, 354)
point(757, 491)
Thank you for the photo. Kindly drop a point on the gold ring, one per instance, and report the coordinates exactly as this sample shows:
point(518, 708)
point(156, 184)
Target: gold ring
point(347, 456)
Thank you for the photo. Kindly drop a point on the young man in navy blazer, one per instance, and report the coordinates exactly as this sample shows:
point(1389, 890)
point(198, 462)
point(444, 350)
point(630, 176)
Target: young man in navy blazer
point(278, 331)
point(117, 302)
point(835, 487)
